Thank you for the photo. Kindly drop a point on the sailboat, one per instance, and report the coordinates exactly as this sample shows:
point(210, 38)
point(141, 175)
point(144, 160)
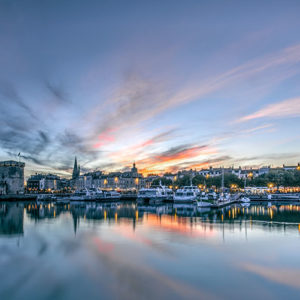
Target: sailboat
point(223, 198)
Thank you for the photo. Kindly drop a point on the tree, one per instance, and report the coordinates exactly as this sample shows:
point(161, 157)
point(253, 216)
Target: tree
point(162, 180)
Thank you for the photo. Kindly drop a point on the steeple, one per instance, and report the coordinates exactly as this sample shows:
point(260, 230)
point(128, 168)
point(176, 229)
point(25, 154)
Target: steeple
point(75, 169)
point(134, 170)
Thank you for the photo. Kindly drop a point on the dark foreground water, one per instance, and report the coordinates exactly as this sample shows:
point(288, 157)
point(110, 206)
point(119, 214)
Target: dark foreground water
point(124, 251)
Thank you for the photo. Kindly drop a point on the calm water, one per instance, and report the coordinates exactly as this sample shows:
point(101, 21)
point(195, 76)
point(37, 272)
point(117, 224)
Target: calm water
point(125, 251)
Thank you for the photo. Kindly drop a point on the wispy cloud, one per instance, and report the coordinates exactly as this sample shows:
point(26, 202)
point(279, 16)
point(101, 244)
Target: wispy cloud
point(139, 98)
point(283, 109)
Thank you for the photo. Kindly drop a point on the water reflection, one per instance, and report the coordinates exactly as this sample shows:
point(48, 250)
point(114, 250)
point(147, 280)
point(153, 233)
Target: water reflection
point(11, 219)
point(166, 216)
point(124, 250)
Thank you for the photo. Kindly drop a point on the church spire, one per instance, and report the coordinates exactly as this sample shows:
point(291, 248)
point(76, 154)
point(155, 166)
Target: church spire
point(75, 169)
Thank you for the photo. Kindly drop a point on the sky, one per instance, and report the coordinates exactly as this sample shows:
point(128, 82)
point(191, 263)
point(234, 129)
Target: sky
point(170, 85)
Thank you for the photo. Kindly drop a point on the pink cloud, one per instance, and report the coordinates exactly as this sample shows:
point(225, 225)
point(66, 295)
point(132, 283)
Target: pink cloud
point(286, 108)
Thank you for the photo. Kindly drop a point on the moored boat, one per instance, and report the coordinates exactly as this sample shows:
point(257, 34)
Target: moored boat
point(185, 196)
point(153, 195)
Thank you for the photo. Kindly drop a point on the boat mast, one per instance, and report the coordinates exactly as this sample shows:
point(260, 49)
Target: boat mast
point(222, 188)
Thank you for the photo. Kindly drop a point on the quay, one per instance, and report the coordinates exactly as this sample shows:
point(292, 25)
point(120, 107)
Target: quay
point(274, 197)
point(26, 197)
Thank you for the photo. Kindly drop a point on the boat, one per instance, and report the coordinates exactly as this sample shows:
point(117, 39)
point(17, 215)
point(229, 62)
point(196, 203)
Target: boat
point(201, 203)
point(77, 198)
point(223, 198)
point(46, 197)
point(245, 200)
point(128, 195)
point(212, 195)
point(168, 194)
point(102, 195)
point(185, 196)
point(62, 200)
point(153, 195)
point(204, 196)
point(192, 188)
point(92, 195)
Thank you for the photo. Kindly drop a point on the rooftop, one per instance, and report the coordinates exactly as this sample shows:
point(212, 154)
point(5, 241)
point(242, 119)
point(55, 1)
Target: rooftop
point(12, 163)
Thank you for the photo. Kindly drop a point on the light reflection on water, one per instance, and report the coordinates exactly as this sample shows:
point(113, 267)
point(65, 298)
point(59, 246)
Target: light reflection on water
point(125, 251)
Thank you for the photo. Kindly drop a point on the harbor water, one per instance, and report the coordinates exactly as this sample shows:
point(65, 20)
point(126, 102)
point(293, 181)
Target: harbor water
point(128, 251)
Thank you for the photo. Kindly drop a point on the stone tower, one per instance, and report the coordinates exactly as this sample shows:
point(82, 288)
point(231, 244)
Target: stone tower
point(11, 177)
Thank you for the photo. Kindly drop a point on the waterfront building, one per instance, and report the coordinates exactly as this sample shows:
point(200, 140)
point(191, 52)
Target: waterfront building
point(170, 176)
point(291, 168)
point(239, 172)
point(43, 182)
point(33, 182)
point(49, 182)
point(114, 180)
point(11, 177)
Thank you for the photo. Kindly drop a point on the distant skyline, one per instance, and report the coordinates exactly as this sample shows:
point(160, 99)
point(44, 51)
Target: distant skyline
point(170, 85)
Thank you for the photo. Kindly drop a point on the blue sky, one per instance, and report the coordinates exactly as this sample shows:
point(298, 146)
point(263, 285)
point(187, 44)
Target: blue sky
point(168, 84)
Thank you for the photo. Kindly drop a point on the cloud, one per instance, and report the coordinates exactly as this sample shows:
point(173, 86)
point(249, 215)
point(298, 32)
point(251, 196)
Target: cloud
point(139, 98)
point(283, 109)
point(10, 95)
point(175, 158)
point(174, 154)
point(136, 100)
point(179, 152)
point(58, 92)
point(268, 157)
